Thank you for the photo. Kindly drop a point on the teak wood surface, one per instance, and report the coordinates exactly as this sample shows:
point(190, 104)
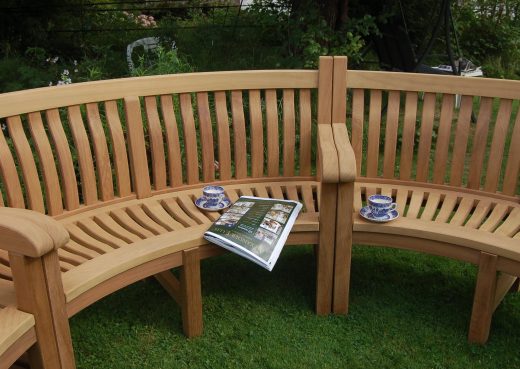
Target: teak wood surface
point(455, 182)
point(115, 167)
point(118, 165)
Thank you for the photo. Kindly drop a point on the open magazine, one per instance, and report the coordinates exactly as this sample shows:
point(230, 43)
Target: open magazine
point(255, 228)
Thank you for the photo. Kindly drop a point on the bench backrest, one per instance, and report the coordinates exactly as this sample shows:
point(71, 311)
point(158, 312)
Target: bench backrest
point(407, 127)
point(72, 147)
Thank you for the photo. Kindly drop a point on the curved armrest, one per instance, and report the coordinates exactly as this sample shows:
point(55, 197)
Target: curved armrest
point(346, 157)
point(30, 233)
point(328, 157)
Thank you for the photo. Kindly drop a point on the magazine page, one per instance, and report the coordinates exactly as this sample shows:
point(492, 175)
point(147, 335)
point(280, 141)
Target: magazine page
point(255, 228)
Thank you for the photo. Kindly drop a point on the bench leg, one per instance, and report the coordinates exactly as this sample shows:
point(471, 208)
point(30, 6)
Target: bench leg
point(39, 291)
point(325, 259)
point(484, 299)
point(191, 301)
point(343, 248)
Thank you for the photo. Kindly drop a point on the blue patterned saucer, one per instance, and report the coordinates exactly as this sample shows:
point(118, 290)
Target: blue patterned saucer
point(391, 215)
point(201, 203)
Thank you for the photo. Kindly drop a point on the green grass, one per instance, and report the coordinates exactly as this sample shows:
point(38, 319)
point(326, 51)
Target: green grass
point(407, 310)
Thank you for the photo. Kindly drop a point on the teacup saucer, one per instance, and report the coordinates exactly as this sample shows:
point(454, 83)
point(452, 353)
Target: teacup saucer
point(201, 203)
point(391, 215)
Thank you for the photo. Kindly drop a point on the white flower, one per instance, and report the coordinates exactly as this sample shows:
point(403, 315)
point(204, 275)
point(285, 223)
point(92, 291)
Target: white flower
point(65, 72)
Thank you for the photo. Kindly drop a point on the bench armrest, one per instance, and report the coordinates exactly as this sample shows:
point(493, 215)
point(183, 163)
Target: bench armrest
point(346, 157)
point(30, 233)
point(327, 156)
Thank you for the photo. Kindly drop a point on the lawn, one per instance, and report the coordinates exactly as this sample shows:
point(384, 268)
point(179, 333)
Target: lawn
point(407, 310)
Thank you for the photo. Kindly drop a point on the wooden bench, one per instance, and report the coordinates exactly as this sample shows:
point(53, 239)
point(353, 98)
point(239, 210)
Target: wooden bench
point(456, 182)
point(116, 165)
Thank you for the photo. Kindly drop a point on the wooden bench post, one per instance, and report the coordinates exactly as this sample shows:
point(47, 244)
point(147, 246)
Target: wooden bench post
point(39, 291)
point(191, 294)
point(483, 302)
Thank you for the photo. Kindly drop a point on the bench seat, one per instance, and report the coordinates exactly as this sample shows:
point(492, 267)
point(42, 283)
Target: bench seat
point(474, 222)
point(96, 261)
point(17, 334)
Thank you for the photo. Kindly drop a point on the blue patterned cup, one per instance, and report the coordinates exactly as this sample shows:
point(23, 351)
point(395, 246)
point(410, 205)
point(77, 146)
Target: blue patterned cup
point(213, 195)
point(380, 205)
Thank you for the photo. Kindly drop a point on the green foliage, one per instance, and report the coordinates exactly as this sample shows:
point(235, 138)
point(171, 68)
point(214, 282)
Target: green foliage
point(490, 35)
point(161, 61)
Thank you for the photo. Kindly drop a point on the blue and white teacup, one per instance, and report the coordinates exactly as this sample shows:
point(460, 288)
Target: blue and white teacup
point(213, 195)
point(380, 205)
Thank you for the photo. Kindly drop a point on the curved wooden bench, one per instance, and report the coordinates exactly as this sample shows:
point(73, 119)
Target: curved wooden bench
point(455, 181)
point(118, 164)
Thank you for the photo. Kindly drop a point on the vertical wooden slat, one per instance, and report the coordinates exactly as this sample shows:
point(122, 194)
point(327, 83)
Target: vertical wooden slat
point(103, 166)
point(224, 142)
point(461, 141)
point(156, 143)
point(305, 132)
point(443, 139)
point(62, 149)
point(425, 141)
point(496, 152)
point(479, 149)
point(257, 134)
point(206, 137)
point(392, 121)
point(46, 158)
point(273, 149)
point(289, 132)
point(10, 176)
point(513, 161)
point(172, 141)
point(136, 147)
point(239, 134)
point(84, 154)
point(374, 126)
point(358, 116)
point(190, 139)
point(410, 117)
point(122, 171)
point(26, 162)
point(325, 90)
point(339, 90)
